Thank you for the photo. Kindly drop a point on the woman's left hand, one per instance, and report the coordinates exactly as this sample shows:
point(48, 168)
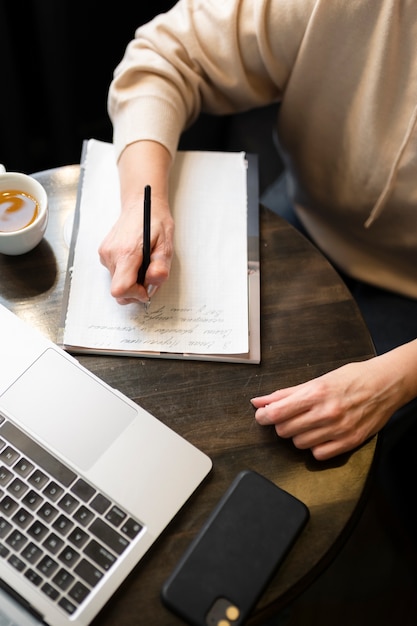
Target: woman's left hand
point(340, 410)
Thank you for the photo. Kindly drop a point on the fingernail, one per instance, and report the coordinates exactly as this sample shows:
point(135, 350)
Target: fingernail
point(151, 290)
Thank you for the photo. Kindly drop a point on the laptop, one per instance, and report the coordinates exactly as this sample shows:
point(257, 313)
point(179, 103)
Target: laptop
point(88, 481)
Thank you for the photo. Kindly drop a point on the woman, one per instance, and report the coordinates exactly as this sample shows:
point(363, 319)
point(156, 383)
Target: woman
point(345, 74)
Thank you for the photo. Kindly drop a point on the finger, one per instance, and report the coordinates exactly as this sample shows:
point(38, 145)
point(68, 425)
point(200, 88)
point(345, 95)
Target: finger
point(124, 301)
point(124, 287)
point(302, 394)
point(286, 407)
point(305, 436)
point(124, 276)
point(158, 270)
point(319, 442)
point(325, 443)
point(329, 449)
point(157, 273)
point(271, 397)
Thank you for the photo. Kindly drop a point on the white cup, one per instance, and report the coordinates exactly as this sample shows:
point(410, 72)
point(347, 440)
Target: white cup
point(25, 237)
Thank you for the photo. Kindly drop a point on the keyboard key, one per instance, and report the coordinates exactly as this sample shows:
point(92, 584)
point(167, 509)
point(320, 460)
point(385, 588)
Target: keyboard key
point(63, 579)
point(68, 606)
point(100, 503)
point(83, 490)
point(63, 524)
point(23, 467)
point(68, 503)
point(23, 518)
point(53, 543)
point(32, 500)
point(115, 516)
point(5, 476)
point(88, 572)
point(16, 540)
point(131, 528)
point(49, 591)
point(100, 555)
point(8, 506)
point(79, 592)
point(69, 556)
point(53, 491)
point(4, 552)
point(109, 536)
point(37, 530)
point(47, 566)
point(38, 479)
point(5, 528)
point(78, 537)
point(47, 512)
point(9, 455)
point(31, 553)
point(83, 515)
point(33, 577)
point(17, 487)
point(16, 562)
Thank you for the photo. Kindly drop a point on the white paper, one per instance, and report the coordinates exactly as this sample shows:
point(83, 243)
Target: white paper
point(203, 307)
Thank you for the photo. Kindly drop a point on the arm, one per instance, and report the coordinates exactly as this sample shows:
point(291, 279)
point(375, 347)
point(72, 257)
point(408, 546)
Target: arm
point(141, 163)
point(340, 410)
point(213, 56)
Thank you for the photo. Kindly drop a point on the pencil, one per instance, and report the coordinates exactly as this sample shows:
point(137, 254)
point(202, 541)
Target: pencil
point(146, 235)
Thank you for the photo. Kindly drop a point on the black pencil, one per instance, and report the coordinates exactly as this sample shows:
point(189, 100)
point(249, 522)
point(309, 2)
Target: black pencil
point(146, 235)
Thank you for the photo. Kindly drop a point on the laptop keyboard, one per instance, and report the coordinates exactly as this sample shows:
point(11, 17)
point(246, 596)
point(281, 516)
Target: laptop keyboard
point(55, 528)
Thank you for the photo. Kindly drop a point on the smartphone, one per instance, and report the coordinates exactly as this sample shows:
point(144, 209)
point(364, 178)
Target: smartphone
point(223, 572)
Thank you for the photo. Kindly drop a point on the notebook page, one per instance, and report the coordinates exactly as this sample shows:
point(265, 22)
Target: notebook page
point(203, 307)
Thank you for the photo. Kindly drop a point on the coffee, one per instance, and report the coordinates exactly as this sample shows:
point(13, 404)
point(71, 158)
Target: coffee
point(17, 210)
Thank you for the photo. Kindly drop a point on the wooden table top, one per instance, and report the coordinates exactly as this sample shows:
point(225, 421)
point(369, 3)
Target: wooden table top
point(309, 325)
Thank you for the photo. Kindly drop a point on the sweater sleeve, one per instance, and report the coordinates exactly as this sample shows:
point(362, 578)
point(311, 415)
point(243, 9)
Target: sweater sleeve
point(203, 55)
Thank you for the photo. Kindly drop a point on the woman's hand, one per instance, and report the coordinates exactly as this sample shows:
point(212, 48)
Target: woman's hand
point(142, 163)
point(340, 410)
point(122, 251)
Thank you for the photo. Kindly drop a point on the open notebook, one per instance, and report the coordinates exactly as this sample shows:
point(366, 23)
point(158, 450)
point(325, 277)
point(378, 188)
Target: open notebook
point(209, 307)
point(88, 481)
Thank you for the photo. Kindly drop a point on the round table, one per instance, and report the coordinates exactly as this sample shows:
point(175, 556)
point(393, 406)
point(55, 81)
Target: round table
point(309, 325)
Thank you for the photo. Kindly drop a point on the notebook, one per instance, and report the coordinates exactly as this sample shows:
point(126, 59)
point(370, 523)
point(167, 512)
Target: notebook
point(209, 309)
point(88, 481)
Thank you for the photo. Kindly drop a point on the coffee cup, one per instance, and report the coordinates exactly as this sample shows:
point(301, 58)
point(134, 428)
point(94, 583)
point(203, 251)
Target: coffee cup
point(23, 212)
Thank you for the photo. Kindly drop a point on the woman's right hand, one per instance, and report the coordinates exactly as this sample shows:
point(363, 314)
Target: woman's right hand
point(121, 251)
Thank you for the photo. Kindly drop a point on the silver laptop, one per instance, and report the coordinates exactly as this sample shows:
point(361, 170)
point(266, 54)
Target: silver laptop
point(88, 481)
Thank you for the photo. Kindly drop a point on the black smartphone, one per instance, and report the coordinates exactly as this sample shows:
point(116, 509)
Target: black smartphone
point(222, 574)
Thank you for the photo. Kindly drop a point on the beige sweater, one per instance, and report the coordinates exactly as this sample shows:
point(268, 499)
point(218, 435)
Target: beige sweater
point(345, 72)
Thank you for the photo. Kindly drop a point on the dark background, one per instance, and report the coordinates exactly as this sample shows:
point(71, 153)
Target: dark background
point(57, 62)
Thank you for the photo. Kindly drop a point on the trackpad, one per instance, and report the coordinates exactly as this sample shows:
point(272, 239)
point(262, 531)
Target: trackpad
point(68, 408)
